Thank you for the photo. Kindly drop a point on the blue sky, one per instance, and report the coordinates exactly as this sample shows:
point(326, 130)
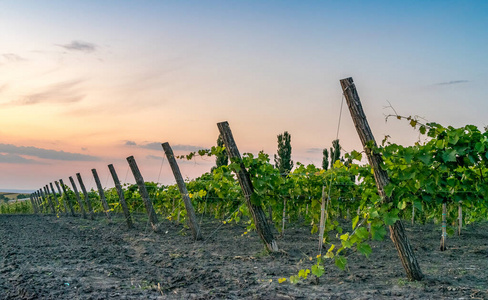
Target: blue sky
point(93, 77)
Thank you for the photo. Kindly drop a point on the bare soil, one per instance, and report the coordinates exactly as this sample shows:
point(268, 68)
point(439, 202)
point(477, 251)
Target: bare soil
point(45, 257)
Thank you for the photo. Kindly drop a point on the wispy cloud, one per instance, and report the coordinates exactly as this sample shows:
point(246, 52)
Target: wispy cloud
point(157, 146)
point(16, 159)
point(314, 150)
point(186, 148)
point(10, 149)
point(452, 82)
point(152, 146)
point(79, 46)
point(12, 57)
point(64, 92)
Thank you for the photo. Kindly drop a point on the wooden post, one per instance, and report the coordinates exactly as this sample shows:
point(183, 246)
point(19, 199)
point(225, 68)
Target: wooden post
point(283, 218)
point(34, 206)
point(413, 213)
point(78, 198)
point(66, 197)
point(51, 202)
point(398, 235)
point(444, 228)
point(43, 201)
point(39, 201)
point(258, 215)
point(120, 192)
point(190, 211)
point(85, 194)
point(55, 197)
point(460, 217)
point(36, 201)
point(323, 218)
point(60, 194)
point(101, 193)
point(153, 219)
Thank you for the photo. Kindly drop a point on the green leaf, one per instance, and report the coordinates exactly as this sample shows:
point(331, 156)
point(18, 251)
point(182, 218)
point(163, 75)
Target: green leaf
point(365, 249)
point(303, 273)
point(391, 217)
point(362, 233)
point(449, 156)
point(341, 262)
point(389, 189)
point(402, 205)
point(294, 279)
point(378, 232)
point(355, 222)
point(318, 270)
point(347, 243)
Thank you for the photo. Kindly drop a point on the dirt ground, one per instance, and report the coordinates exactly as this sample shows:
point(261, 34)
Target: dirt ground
point(45, 257)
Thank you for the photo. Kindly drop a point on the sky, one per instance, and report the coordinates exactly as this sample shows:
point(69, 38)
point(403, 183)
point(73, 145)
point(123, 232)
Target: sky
point(84, 84)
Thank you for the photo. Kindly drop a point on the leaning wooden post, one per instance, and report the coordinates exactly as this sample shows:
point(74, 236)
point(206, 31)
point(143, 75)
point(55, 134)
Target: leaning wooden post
point(323, 218)
point(413, 213)
point(460, 217)
point(120, 192)
point(60, 194)
point(443, 246)
point(78, 198)
point(51, 202)
point(39, 201)
point(34, 206)
point(398, 235)
point(153, 219)
point(58, 207)
point(258, 215)
point(45, 209)
point(36, 201)
point(43, 201)
point(66, 197)
point(283, 218)
point(190, 211)
point(85, 194)
point(102, 194)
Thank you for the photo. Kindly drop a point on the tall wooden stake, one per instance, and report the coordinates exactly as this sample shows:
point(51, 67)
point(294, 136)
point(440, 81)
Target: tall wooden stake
point(51, 202)
point(190, 211)
point(85, 195)
point(258, 215)
point(78, 198)
point(153, 219)
point(67, 198)
point(283, 218)
point(101, 193)
point(398, 235)
point(120, 192)
point(55, 197)
point(39, 200)
point(460, 217)
point(444, 228)
point(323, 218)
point(34, 206)
point(413, 213)
point(43, 201)
point(60, 193)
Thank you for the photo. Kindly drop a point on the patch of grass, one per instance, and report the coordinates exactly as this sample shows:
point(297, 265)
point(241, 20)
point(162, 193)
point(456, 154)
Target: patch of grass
point(262, 253)
point(404, 282)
